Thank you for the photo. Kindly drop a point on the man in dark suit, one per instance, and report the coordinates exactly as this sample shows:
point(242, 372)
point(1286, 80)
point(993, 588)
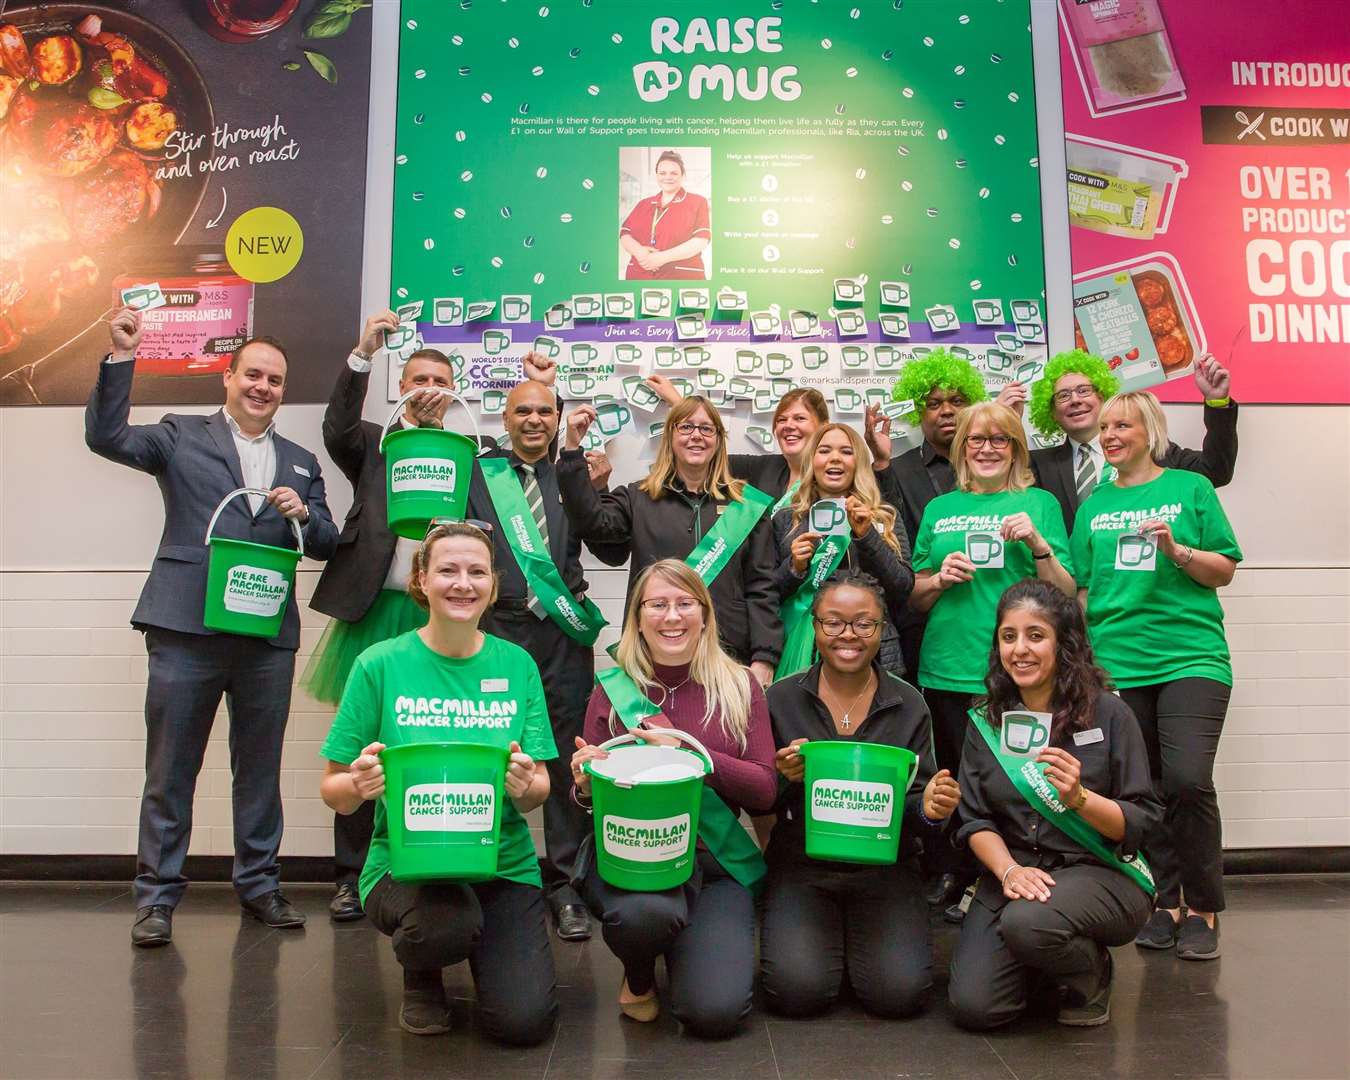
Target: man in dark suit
point(1069, 399)
point(197, 461)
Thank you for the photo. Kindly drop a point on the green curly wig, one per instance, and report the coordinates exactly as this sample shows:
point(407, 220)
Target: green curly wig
point(1073, 362)
point(938, 369)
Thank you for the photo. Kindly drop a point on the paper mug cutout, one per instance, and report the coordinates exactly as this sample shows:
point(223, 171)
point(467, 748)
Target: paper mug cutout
point(447, 310)
point(779, 387)
point(710, 377)
point(848, 400)
point(640, 394)
point(814, 357)
point(495, 341)
point(851, 323)
point(988, 312)
point(892, 325)
point(854, 356)
point(693, 299)
point(611, 417)
point(515, 308)
point(764, 402)
point(731, 300)
point(593, 440)
point(478, 309)
point(667, 356)
point(828, 517)
point(1026, 311)
point(587, 305)
point(655, 301)
point(558, 317)
point(1025, 734)
point(760, 436)
point(625, 352)
point(885, 357)
point(584, 354)
point(493, 401)
point(618, 305)
point(803, 323)
point(1135, 551)
point(765, 323)
point(848, 290)
point(779, 364)
point(895, 293)
point(696, 356)
point(941, 318)
point(997, 360)
point(748, 361)
point(503, 371)
point(985, 550)
point(690, 326)
point(547, 346)
point(741, 388)
point(395, 340)
point(580, 384)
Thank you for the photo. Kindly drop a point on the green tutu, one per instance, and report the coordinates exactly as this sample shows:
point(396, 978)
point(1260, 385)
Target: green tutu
point(391, 614)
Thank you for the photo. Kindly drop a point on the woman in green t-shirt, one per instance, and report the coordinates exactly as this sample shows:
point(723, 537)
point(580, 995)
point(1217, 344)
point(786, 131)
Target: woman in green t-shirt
point(450, 682)
point(992, 530)
point(1151, 549)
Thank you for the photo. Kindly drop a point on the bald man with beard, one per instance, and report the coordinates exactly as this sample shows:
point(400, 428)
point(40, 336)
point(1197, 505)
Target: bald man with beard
point(566, 665)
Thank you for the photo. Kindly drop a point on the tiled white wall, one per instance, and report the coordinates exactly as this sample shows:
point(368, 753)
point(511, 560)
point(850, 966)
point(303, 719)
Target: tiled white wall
point(72, 680)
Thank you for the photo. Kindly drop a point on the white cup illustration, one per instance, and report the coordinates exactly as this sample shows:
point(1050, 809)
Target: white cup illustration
point(584, 354)
point(779, 364)
point(667, 356)
point(1024, 732)
point(515, 308)
point(984, 549)
point(854, 356)
point(814, 357)
point(656, 80)
point(827, 515)
point(1135, 549)
point(748, 361)
point(625, 352)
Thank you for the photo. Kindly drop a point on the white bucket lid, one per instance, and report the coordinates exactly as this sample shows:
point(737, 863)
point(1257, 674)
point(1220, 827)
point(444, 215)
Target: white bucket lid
point(648, 764)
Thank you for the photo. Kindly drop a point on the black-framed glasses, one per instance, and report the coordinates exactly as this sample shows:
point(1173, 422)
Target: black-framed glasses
point(688, 427)
point(863, 627)
point(441, 523)
point(998, 442)
point(1063, 397)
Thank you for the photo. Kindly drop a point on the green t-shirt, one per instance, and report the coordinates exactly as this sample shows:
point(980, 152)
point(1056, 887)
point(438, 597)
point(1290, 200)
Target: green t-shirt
point(400, 691)
point(1148, 621)
point(960, 632)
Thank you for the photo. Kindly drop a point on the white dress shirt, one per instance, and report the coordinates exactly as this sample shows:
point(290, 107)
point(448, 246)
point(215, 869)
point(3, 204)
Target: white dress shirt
point(400, 567)
point(1094, 449)
point(257, 458)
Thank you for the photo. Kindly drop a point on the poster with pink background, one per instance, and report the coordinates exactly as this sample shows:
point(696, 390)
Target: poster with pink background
point(1208, 150)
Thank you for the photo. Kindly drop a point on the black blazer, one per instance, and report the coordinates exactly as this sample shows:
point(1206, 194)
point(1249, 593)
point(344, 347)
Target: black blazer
point(195, 462)
point(1216, 459)
point(916, 485)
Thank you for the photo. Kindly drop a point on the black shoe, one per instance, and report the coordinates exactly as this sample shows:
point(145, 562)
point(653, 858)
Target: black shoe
point(574, 923)
point(944, 890)
point(956, 914)
point(346, 904)
point(273, 909)
point(1197, 940)
point(153, 926)
point(1160, 932)
point(1094, 1011)
point(424, 1010)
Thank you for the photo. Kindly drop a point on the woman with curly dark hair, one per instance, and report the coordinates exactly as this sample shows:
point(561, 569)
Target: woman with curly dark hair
point(1055, 799)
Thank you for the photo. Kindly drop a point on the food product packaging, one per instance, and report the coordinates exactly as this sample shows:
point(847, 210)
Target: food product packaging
point(1123, 55)
point(1120, 190)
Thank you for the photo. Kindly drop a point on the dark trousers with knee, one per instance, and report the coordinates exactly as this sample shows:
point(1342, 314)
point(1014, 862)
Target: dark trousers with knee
point(949, 710)
point(821, 921)
point(705, 930)
point(351, 842)
point(1001, 947)
point(1182, 721)
point(568, 671)
point(188, 675)
point(499, 926)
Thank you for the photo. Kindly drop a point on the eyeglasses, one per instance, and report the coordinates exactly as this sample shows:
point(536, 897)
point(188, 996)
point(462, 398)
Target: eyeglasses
point(1063, 397)
point(443, 523)
point(684, 607)
point(998, 442)
point(688, 428)
point(863, 627)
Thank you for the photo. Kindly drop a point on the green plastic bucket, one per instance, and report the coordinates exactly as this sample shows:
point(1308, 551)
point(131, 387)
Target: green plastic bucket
point(427, 471)
point(855, 799)
point(248, 584)
point(645, 803)
point(443, 806)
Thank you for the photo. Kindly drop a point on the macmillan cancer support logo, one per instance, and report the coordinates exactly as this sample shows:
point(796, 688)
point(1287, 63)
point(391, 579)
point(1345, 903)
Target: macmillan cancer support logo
point(423, 474)
point(642, 840)
point(449, 808)
point(852, 802)
point(254, 590)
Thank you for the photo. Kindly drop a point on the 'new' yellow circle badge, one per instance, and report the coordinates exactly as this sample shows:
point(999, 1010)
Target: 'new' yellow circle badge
point(264, 244)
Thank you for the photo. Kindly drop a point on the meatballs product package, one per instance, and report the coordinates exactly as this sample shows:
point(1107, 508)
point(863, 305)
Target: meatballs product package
point(1120, 190)
point(1122, 53)
point(1139, 316)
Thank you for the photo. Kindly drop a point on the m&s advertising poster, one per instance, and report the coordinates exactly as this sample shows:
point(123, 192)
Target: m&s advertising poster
point(1208, 154)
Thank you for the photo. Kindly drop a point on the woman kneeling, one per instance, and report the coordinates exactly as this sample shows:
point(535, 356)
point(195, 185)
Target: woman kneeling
point(398, 693)
point(1055, 799)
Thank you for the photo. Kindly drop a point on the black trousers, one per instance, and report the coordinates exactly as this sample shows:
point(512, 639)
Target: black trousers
point(1182, 721)
point(1090, 907)
point(351, 840)
point(568, 671)
point(705, 930)
point(949, 710)
point(499, 926)
point(820, 921)
point(189, 673)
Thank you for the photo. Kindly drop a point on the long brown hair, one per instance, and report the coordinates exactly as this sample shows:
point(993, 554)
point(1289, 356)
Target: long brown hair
point(864, 483)
point(721, 485)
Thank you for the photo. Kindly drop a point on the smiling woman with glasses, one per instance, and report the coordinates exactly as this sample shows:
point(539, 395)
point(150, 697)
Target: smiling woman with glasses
point(690, 507)
point(823, 920)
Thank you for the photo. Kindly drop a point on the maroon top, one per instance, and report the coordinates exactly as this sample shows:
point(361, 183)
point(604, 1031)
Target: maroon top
point(743, 778)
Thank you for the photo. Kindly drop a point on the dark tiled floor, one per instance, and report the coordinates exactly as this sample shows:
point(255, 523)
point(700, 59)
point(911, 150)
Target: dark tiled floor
point(232, 998)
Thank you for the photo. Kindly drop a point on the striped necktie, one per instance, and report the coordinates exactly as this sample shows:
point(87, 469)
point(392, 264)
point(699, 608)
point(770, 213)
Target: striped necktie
point(534, 499)
point(1086, 479)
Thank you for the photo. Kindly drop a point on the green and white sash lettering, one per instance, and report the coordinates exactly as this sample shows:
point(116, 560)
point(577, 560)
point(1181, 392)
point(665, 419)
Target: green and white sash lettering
point(1028, 777)
point(718, 828)
point(786, 497)
point(578, 619)
point(711, 555)
point(799, 635)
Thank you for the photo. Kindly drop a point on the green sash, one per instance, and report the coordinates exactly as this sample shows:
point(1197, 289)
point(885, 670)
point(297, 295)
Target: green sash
point(718, 828)
point(1028, 777)
point(711, 555)
point(786, 497)
point(578, 619)
point(799, 635)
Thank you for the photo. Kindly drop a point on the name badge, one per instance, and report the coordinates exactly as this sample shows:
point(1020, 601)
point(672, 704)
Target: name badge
point(1087, 738)
point(500, 686)
point(302, 472)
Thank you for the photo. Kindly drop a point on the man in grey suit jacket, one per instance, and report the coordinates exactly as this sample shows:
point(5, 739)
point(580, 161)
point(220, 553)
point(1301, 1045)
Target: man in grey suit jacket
point(197, 461)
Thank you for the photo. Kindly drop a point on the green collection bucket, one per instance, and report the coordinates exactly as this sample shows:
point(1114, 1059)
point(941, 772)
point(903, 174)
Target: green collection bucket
point(247, 584)
point(427, 471)
point(645, 803)
point(443, 806)
point(855, 799)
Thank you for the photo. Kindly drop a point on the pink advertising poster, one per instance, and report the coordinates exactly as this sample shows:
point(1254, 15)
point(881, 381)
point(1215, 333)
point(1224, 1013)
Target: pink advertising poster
point(1208, 153)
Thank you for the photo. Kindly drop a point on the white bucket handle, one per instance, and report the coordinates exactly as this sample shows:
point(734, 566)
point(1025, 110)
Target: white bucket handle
point(629, 737)
point(299, 536)
point(398, 411)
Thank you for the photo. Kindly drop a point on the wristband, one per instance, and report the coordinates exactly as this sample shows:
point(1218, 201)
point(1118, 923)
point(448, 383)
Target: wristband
point(1004, 879)
point(1082, 799)
point(1190, 555)
point(1218, 402)
point(1047, 555)
point(361, 355)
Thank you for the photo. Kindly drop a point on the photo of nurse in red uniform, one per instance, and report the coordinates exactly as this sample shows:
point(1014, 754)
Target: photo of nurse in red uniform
point(665, 234)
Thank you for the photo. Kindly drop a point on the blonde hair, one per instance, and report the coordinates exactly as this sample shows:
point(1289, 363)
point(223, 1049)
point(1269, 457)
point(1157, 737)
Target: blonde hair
point(864, 485)
point(422, 558)
point(721, 484)
point(1005, 421)
point(1150, 414)
point(726, 685)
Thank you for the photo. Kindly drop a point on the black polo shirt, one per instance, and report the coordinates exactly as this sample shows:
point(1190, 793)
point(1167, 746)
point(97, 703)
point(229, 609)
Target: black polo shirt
point(898, 717)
